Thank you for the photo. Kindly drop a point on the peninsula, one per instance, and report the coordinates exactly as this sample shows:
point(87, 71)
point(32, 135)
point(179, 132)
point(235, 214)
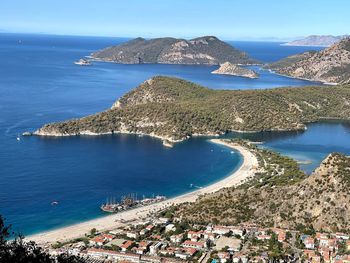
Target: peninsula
point(207, 50)
point(174, 110)
point(234, 70)
point(331, 65)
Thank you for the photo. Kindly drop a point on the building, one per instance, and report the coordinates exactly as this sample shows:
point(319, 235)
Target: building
point(176, 238)
point(221, 230)
point(97, 241)
point(170, 227)
point(133, 235)
point(309, 243)
point(185, 253)
point(112, 255)
point(224, 256)
point(263, 237)
point(155, 248)
point(194, 244)
point(127, 245)
point(194, 235)
point(341, 236)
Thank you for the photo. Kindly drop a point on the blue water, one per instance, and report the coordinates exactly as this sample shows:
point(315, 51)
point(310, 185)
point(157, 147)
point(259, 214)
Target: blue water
point(39, 84)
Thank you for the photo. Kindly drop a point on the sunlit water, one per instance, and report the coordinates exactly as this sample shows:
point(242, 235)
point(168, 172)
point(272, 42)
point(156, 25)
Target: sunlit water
point(39, 84)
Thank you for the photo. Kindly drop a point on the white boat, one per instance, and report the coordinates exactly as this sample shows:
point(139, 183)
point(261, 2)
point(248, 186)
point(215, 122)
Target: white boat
point(82, 62)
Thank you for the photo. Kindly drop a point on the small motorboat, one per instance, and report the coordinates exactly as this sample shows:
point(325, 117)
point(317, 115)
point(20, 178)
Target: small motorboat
point(82, 62)
point(54, 203)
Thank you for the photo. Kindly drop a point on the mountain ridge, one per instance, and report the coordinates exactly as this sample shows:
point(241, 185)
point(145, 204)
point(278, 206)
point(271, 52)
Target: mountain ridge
point(208, 50)
point(174, 109)
point(331, 65)
point(316, 41)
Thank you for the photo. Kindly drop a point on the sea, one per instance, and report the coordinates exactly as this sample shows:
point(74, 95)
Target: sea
point(39, 83)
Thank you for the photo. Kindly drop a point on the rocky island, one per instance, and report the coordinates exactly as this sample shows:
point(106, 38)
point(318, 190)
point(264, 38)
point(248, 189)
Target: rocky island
point(234, 70)
point(207, 50)
point(331, 65)
point(174, 110)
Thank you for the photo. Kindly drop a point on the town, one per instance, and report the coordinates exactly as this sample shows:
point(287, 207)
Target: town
point(166, 239)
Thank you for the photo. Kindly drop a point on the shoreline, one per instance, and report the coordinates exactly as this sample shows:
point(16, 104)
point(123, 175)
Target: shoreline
point(310, 80)
point(109, 222)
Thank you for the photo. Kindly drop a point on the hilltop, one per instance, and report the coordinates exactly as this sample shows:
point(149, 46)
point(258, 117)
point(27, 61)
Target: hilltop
point(203, 50)
point(316, 41)
point(331, 65)
point(281, 195)
point(175, 109)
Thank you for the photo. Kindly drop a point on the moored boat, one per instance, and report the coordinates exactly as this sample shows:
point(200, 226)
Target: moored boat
point(129, 202)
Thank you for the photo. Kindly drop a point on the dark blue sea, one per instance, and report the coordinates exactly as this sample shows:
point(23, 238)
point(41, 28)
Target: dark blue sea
point(40, 84)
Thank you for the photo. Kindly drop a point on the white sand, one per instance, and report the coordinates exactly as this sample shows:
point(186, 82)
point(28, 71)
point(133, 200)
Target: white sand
point(247, 169)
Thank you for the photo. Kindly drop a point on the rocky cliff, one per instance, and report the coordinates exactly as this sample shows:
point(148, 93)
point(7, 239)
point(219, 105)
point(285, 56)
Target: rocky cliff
point(331, 65)
point(203, 50)
point(234, 70)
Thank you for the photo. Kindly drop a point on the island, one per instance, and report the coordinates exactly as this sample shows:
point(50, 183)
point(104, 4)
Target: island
point(316, 41)
point(331, 65)
point(207, 50)
point(234, 70)
point(173, 110)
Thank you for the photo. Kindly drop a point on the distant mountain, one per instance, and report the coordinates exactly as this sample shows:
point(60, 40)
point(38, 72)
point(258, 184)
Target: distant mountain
point(331, 65)
point(175, 109)
point(203, 50)
point(316, 41)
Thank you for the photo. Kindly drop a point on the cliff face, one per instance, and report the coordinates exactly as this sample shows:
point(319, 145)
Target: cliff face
point(230, 69)
point(320, 201)
point(176, 109)
point(331, 65)
point(204, 50)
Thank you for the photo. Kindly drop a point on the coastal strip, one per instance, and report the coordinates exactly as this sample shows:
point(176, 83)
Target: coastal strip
point(245, 171)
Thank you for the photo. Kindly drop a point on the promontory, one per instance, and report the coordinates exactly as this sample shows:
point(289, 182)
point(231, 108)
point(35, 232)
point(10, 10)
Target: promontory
point(207, 50)
point(174, 109)
point(331, 65)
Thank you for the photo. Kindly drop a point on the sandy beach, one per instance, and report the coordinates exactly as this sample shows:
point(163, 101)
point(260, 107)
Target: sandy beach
point(246, 170)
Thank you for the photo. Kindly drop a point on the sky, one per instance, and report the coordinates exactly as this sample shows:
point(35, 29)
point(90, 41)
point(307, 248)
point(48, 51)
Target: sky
point(227, 19)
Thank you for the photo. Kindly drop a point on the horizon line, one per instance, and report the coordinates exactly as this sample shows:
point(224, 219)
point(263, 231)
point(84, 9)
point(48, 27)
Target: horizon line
point(262, 39)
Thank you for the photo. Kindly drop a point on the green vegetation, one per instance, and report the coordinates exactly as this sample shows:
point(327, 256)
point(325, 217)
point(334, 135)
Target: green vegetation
point(280, 195)
point(20, 251)
point(176, 109)
point(202, 50)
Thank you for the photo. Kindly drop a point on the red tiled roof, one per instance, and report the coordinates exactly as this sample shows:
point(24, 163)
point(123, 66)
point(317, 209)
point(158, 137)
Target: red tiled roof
point(127, 244)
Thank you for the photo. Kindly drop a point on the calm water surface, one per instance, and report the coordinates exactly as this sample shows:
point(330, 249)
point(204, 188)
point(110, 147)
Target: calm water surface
point(39, 84)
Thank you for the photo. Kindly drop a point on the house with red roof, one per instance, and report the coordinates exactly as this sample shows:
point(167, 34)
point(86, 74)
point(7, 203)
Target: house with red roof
point(127, 245)
point(194, 244)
